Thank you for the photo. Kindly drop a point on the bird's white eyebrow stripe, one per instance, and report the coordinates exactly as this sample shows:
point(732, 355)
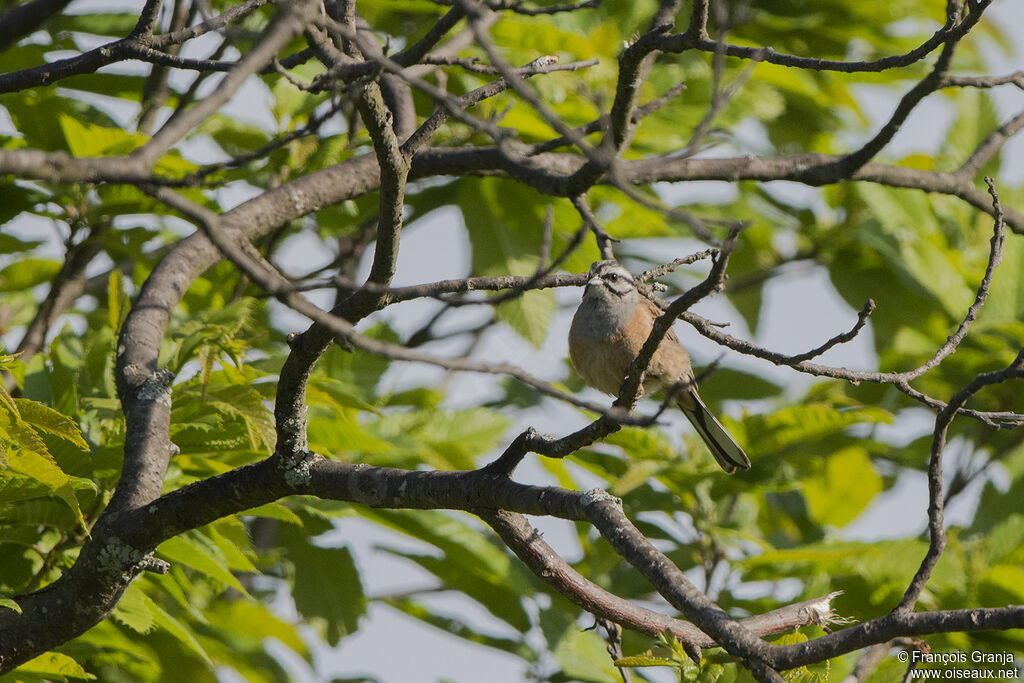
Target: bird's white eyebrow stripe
point(619, 271)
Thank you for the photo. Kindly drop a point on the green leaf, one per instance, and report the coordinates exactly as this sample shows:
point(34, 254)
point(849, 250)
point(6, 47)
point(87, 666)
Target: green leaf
point(192, 550)
point(233, 543)
point(233, 136)
point(732, 384)
point(581, 654)
point(528, 315)
point(1005, 301)
point(123, 651)
point(50, 421)
point(26, 273)
point(791, 638)
point(846, 485)
point(15, 487)
point(710, 672)
point(10, 244)
point(644, 660)
point(327, 589)
point(100, 23)
point(246, 402)
point(178, 629)
point(504, 221)
point(8, 363)
point(328, 389)
point(360, 372)
point(275, 511)
point(871, 573)
point(257, 621)
point(1002, 585)
point(995, 507)
point(1006, 539)
point(976, 118)
point(801, 674)
point(461, 436)
point(43, 470)
point(504, 602)
point(52, 665)
point(803, 423)
point(902, 238)
point(442, 439)
point(117, 300)
point(637, 474)
point(10, 604)
point(88, 139)
point(134, 610)
point(472, 561)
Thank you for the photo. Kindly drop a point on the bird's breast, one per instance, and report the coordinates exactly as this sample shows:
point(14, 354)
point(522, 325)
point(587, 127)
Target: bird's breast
point(600, 345)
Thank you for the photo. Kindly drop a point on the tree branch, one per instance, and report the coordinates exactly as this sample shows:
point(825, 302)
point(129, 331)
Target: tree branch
point(936, 530)
point(605, 513)
point(988, 149)
point(529, 546)
point(88, 62)
point(949, 32)
point(289, 21)
point(21, 20)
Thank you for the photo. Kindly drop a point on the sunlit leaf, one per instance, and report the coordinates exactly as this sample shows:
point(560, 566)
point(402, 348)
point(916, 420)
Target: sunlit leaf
point(846, 485)
point(52, 665)
point(191, 551)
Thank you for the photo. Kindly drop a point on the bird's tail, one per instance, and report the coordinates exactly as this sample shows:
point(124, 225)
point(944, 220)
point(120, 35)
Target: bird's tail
point(727, 452)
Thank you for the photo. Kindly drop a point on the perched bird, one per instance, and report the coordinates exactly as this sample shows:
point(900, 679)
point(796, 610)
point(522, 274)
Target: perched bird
point(609, 329)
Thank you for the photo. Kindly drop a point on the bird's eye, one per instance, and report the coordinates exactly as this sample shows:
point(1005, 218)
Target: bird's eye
point(613, 276)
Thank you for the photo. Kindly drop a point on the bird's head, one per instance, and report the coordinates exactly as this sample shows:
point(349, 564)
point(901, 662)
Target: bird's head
point(609, 278)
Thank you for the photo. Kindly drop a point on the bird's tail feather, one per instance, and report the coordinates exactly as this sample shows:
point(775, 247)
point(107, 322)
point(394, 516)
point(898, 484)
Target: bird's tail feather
point(727, 452)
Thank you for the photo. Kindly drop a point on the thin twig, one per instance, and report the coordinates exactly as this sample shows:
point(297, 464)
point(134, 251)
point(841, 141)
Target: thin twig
point(950, 31)
point(936, 529)
point(603, 239)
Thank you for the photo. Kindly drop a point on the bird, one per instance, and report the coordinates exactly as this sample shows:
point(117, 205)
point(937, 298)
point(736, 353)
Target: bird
point(608, 330)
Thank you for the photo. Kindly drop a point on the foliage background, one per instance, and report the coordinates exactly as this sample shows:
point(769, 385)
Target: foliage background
point(792, 528)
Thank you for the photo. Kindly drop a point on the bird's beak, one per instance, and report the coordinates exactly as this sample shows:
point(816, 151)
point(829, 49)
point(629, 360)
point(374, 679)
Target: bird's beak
point(594, 281)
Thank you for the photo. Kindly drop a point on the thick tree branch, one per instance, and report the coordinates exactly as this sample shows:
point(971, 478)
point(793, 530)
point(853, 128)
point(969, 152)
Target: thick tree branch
point(393, 162)
point(530, 547)
point(21, 20)
point(546, 173)
point(550, 170)
point(1016, 78)
point(123, 548)
point(120, 550)
point(894, 625)
point(605, 513)
point(850, 163)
